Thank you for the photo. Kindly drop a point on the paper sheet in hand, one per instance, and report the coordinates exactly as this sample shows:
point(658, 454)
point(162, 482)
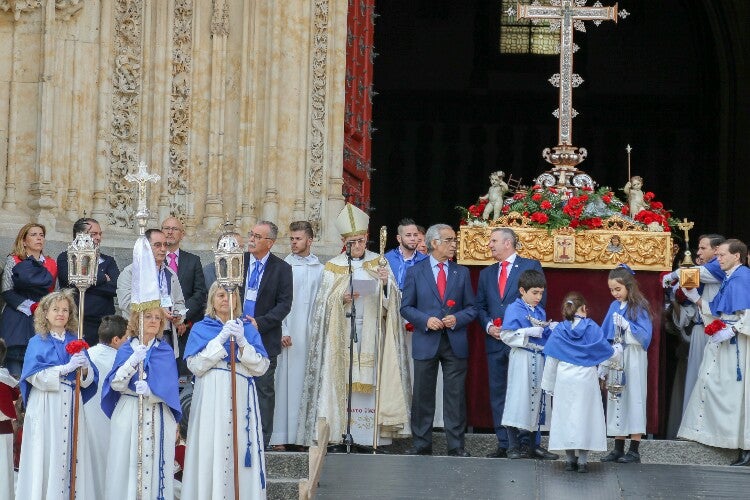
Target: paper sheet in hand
point(365, 287)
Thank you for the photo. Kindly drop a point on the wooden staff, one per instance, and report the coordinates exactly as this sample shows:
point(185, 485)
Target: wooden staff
point(76, 404)
point(233, 374)
point(379, 345)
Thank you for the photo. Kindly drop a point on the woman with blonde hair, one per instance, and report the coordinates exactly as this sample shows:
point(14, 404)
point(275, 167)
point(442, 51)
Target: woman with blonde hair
point(161, 411)
point(209, 470)
point(29, 275)
point(48, 391)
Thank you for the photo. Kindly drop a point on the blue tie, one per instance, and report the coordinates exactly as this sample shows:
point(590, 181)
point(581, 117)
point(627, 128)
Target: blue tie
point(255, 275)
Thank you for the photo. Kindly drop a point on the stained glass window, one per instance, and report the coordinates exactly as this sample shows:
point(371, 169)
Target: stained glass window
point(525, 37)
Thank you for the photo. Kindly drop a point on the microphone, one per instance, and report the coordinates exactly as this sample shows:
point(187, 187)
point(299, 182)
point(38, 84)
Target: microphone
point(349, 245)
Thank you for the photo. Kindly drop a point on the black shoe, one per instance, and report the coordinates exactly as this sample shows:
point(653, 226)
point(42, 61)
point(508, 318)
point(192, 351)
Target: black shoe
point(613, 456)
point(498, 453)
point(458, 452)
point(415, 450)
point(543, 454)
point(516, 453)
point(743, 459)
point(571, 466)
point(583, 468)
point(631, 457)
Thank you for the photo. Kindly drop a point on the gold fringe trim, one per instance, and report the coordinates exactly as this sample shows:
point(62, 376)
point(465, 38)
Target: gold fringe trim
point(336, 269)
point(145, 306)
point(360, 387)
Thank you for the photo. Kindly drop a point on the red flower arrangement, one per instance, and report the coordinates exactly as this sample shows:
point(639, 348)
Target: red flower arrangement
point(715, 326)
point(409, 327)
point(76, 346)
point(498, 322)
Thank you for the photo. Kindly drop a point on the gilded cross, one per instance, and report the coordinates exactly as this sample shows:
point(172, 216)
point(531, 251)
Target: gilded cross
point(567, 15)
point(141, 178)
point(686, 226)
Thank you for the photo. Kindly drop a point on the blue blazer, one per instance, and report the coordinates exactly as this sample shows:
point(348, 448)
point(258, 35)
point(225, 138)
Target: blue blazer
point(489, 303)
point(421, 301)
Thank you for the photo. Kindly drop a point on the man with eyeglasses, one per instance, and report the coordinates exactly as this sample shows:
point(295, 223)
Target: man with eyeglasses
point(439, 301)
point(190, 275)
point(99, 300)
point(170, 292)
point(266, 301)
point(325, 390)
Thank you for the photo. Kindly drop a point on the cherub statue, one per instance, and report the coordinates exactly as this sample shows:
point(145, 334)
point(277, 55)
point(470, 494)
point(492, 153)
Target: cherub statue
point(635, 195)
point(494, 196)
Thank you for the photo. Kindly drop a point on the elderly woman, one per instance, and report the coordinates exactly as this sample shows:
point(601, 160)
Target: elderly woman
point(29, 275)
point(161, 411)
point(48, 390)
point(209, 462)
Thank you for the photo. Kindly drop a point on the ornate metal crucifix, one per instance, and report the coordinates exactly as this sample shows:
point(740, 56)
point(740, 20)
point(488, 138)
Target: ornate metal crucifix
point(566, 15)
point(141, 178)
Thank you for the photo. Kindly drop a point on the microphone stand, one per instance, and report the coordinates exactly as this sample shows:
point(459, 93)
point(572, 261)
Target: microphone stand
point(348, 442)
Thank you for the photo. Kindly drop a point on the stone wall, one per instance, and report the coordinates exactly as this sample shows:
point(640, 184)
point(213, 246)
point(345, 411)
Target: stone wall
point(237, 104)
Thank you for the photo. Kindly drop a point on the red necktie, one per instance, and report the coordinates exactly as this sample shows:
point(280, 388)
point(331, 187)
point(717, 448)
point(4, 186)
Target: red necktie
point(442, 280)
point(503, 279)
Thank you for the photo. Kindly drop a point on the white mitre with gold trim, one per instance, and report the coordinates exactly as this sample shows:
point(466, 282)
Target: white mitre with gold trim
point(351, 221)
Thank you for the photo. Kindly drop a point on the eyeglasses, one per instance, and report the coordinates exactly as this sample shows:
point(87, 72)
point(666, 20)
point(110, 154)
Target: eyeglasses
point(358, 241)
point(448, 240)
point(172, 228)
point(256, 236)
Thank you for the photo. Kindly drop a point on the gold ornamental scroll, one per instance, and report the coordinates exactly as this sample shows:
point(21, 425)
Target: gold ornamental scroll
point(618, 241)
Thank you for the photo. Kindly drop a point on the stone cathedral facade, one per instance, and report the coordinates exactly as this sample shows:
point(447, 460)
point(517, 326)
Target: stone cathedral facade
point(237, 104)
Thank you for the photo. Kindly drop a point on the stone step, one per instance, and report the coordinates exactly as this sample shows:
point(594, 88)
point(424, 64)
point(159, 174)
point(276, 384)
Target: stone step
point(287, 464)
point(282, 489)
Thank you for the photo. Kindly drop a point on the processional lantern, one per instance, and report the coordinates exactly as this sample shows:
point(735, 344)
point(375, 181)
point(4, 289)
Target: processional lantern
point(83, 261)
point(690, 276)
point(228, 257)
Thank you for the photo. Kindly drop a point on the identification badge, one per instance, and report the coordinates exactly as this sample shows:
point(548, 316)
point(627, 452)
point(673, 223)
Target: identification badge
point(251, 295)
point(166, 301)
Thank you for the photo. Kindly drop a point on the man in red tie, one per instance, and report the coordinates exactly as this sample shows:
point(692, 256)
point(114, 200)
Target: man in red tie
point(439, 301)
point(498, 287)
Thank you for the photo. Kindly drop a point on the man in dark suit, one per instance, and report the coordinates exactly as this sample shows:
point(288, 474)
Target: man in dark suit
point(99, 300)
point(190, 275)
point(439, 302)
point(267, 299)
point(498, 288)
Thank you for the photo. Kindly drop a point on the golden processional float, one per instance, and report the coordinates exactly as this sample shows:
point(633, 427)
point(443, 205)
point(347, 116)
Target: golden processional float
point(564, 220)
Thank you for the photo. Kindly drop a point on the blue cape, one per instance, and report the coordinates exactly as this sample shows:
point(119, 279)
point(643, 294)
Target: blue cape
point(582, 345)
point(641, 327)
point(31, 279)
point(516, 317)
point(161, 368)
point(208, 328)
point(734, 294)
point(713, 267)
point(46, 352)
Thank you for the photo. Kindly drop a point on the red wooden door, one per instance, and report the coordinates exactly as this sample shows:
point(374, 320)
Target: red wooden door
point(358, 110)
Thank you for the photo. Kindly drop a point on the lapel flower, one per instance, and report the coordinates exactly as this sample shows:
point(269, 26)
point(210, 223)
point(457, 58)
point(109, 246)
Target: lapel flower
point(76, 346)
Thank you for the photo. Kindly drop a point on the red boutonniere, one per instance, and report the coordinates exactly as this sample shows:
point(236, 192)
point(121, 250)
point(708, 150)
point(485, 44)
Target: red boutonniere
point(715, 326)
point(409, 327)
point(76, 346)
point(450, 303)
point(498, 322)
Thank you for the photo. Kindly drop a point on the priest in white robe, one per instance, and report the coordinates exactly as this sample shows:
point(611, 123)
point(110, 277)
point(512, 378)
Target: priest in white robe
point(717, 413)
point(307, 271)
point(326, 372)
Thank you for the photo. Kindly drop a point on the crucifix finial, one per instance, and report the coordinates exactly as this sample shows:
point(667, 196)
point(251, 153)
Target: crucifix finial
point(141, 178)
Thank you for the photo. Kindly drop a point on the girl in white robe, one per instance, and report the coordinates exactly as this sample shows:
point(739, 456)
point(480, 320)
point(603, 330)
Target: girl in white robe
point(9, 393)
point(209, 460)
point(572, 352)
point(161, 412)
point(48, 390)
point(629, 314)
